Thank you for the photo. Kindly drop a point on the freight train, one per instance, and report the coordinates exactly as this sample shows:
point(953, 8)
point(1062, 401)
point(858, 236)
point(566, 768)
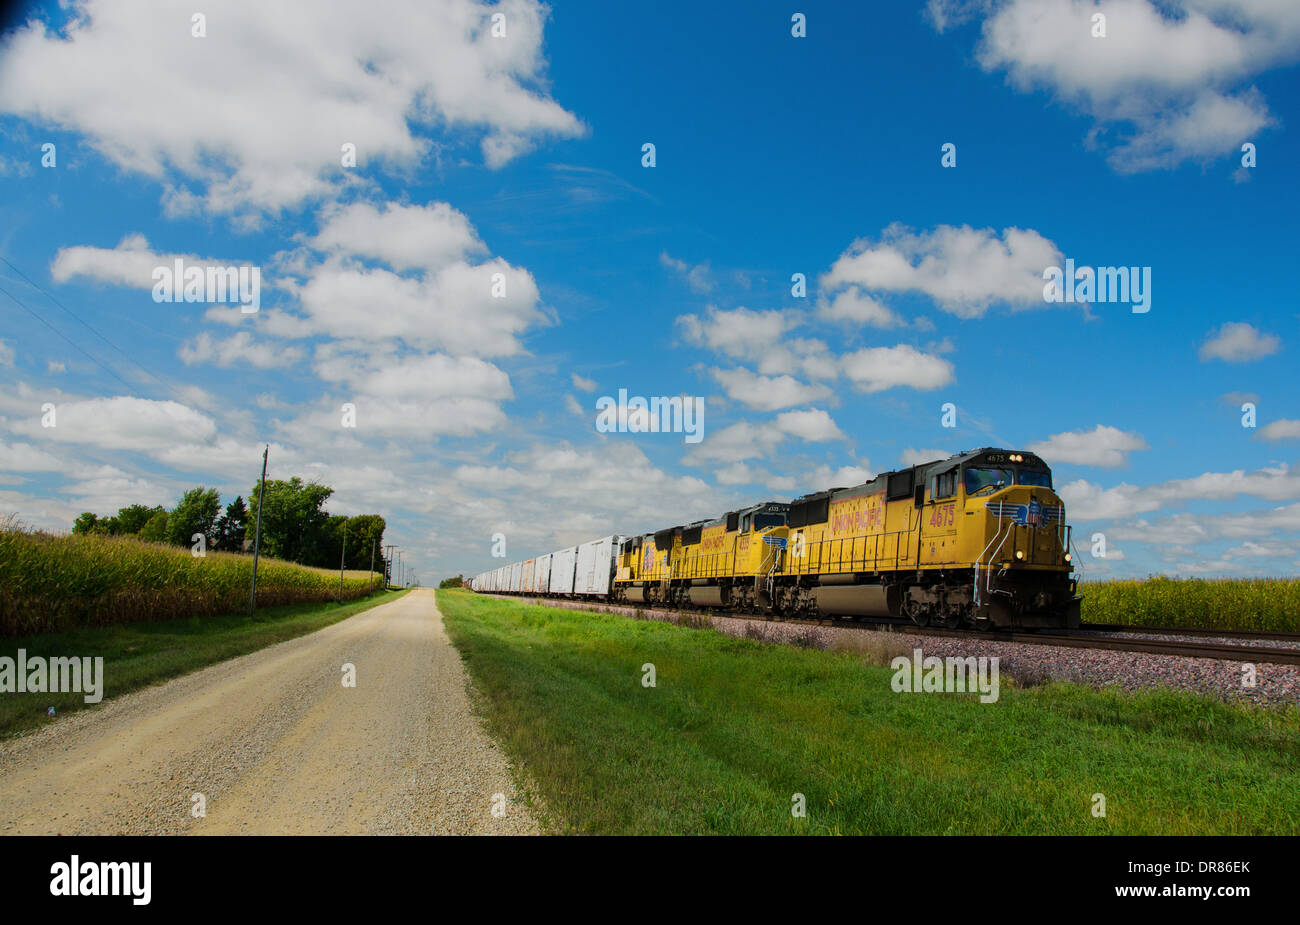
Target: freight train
point(977, 540)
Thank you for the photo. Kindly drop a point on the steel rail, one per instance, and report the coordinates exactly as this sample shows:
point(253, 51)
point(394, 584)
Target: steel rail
point(1190, 631)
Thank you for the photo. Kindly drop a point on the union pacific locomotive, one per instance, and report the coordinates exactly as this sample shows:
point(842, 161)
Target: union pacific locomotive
point(976, 540)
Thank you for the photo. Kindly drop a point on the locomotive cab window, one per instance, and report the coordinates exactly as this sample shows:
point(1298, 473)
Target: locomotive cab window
point(985, 480)
point(1030, 477)
point(944, 485)
point(763, 521)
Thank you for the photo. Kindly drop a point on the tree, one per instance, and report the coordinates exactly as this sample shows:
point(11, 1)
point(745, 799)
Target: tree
point(131, 520)
point(86, 524)
point(291, 517)
point(195, 513)
point(155, 531)
point(294, 525)
point(456, 582)
point(231, 526)
point(365, 532)
point(321, 547)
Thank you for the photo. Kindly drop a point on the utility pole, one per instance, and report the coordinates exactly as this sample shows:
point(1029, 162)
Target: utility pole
point(343, 555)
point(388, 565)
point(399, 568)
point(257, 533)
point(370, 579)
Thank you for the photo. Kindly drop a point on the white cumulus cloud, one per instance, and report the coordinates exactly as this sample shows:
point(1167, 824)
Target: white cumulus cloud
point(1104, 446)
point(1281, 429)
point(767, 393)
point(1238, 342)
point(256, 113)
point(875, 369)
point(964, 270)
point(1169, 82)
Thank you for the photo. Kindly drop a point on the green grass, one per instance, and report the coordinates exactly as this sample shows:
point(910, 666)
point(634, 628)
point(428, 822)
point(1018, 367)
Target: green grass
point(50, 583)
point(1271, 604)
point(140, 654)
point(736, 727)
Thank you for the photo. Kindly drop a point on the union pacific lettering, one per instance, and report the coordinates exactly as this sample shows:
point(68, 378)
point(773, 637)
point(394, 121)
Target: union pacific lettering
point(712, 539)
point(858, 515)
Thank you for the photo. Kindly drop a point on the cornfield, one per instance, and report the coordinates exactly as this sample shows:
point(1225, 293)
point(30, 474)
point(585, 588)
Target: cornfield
point(50, 582)
point(1271, 604)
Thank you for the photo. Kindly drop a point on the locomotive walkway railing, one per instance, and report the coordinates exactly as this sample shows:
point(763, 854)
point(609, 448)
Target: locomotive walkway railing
point(821, 556)
point(710, 565)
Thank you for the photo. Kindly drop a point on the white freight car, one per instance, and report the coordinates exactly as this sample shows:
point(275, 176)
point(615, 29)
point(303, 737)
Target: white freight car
point(595, 566)
point(563, 562)
point(542, 580)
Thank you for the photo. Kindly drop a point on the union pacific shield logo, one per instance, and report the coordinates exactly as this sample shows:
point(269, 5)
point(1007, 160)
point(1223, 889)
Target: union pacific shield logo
point(1034, 516)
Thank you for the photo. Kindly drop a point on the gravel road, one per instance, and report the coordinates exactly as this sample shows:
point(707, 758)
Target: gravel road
point(276, 744)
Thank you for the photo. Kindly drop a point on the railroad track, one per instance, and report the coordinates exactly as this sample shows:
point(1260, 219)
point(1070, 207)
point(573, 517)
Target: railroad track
point(1098, 638)
point(1243, 653)
point(1190, 631)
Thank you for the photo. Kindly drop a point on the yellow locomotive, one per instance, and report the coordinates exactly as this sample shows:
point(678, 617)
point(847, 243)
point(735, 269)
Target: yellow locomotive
point(723, 563)
point(978, 539)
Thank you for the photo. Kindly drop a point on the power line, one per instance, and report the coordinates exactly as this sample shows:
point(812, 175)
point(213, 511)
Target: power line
point(102, 365)
point(167, 384)
point(39, 288)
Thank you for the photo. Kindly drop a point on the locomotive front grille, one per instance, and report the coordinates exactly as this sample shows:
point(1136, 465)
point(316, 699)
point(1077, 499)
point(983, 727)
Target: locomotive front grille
point(1032, 514)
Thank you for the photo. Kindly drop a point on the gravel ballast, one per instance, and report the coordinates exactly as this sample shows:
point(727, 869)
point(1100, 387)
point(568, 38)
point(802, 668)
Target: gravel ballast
point(276, 744)
point(1025, 663)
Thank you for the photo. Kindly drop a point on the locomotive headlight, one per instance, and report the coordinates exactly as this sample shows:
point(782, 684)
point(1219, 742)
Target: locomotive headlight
point(1020, 553)
point(1067, 557)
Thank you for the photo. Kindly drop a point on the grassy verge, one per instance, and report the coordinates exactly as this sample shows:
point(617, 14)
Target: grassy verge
point(140, 654)
point(1270, 604)
point(734, 728)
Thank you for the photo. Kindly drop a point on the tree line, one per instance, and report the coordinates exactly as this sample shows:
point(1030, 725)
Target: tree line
point(294, 525)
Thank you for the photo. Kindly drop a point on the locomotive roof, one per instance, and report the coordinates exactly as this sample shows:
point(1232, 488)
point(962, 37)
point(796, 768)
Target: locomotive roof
point(935, 465)
point(764, 507)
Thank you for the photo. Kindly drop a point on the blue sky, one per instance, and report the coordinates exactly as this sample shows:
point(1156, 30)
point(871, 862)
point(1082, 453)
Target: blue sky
point(775, 155)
